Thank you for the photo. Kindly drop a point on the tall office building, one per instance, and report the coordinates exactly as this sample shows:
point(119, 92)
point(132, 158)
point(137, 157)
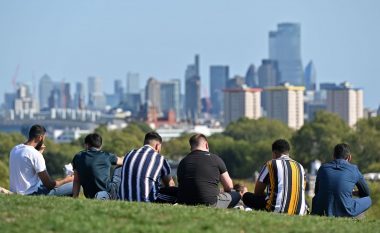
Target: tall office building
point(24, 103)
point(236, 82)
point(347, 102)
point(285, 103)
point(310, 77)
point(153, 94)
point(118, 90)
point(96, 97)
point(192, 92)
point(269, 74)
point(79, 102)
point(170, 97)
point(133, 83)
point(219, 76)
point(241, 102)
point(251, 77)
point(60, 96)
point(45, 88)
point(285, 48)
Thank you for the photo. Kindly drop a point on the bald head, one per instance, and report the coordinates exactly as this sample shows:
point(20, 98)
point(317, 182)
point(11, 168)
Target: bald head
point(198, 142)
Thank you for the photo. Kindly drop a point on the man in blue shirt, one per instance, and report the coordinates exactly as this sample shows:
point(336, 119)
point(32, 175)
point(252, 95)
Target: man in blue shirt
point(335, 184)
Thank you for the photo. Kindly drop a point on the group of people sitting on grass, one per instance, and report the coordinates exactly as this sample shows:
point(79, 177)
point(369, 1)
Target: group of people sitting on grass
point(143, 175)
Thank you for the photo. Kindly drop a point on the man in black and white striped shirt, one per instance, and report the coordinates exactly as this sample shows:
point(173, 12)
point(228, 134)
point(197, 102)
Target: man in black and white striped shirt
point(142, 171)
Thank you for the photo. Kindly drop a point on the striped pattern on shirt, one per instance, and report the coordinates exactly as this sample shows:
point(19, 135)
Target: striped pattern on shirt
point(286, 186)
point(141, 173)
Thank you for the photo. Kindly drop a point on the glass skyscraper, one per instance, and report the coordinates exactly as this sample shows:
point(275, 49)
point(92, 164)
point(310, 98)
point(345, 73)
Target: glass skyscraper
point(219, 76)
point(285, 48)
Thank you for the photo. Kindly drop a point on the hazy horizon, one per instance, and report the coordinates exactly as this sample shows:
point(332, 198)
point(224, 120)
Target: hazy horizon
point(72, 40)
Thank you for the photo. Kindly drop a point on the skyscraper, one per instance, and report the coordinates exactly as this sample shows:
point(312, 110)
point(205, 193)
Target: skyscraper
point(192, 91)
point(133, 83)
point(170, 97)
point(96, 97)
point(285, 103)
point(236, 82)
point(251, 77)
point(219, 76)
point(153, 94)
point(60, 96)
point(269, 74)
point(347, 102)
point(79, 102)
point(118, 90)
point(310, 77)
point(241, 102)
point(285, 48)
point(45, 88)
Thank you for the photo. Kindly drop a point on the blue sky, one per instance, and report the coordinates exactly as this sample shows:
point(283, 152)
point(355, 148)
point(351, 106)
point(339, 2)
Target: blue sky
point(72, 40)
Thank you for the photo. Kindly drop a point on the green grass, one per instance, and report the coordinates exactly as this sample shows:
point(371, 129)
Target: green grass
point(54, 214)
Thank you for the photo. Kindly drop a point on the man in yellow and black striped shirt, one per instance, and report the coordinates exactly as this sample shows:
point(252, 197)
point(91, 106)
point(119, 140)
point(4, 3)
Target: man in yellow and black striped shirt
point(284, 180)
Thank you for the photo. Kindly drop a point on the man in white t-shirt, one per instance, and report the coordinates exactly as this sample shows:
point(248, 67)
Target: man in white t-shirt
point(27, 168)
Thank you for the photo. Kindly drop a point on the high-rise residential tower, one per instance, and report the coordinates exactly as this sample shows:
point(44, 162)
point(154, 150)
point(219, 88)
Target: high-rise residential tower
point(285, 103)
point(219, 76)
point(241, 102)
point(285, 48)
point(347, 102)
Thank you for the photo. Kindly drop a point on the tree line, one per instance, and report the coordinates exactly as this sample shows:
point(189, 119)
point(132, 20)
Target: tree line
point(245, 145)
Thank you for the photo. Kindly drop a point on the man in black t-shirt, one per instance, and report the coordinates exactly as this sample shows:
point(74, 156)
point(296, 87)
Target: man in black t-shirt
point(199, 174)
point(92, 168)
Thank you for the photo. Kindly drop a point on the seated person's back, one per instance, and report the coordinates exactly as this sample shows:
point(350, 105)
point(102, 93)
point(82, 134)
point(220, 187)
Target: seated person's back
point(334, 187)
point(142, 171)
point(198, 176)
point(92, 167)
point(285, 180)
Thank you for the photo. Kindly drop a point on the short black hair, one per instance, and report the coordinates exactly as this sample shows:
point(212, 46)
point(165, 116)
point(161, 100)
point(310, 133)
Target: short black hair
point(196, 139)
point(281, 146)
point(93, 140)
point(342, 151)
point(152, 136)
point(35, 131)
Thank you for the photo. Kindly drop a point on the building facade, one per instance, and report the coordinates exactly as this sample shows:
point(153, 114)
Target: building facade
point(285, 103)
point(241, 102)
point(285, 48)
point(347, 102)
point(219, 76)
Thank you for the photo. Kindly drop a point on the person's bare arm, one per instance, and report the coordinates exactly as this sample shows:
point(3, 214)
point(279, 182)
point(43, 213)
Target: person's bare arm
point(260, 188)
point(226, 181)
point(76, 185)
point(119, 161)
point(49, 183)
point(168, 181)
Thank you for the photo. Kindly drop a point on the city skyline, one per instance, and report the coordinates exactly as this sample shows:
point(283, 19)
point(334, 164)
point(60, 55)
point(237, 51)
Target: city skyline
point(70, 42)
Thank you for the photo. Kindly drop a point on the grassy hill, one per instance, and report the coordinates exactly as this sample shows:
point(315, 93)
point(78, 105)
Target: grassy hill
point(52, 214)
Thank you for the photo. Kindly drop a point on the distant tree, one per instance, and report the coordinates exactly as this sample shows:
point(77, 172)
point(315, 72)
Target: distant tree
point(365, 144)
point(176, 148)
point(316, 139)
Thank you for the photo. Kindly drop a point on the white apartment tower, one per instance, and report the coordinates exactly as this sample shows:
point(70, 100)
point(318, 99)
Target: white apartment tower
point(285, 103)
point(347, 102)
point(241, 102)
